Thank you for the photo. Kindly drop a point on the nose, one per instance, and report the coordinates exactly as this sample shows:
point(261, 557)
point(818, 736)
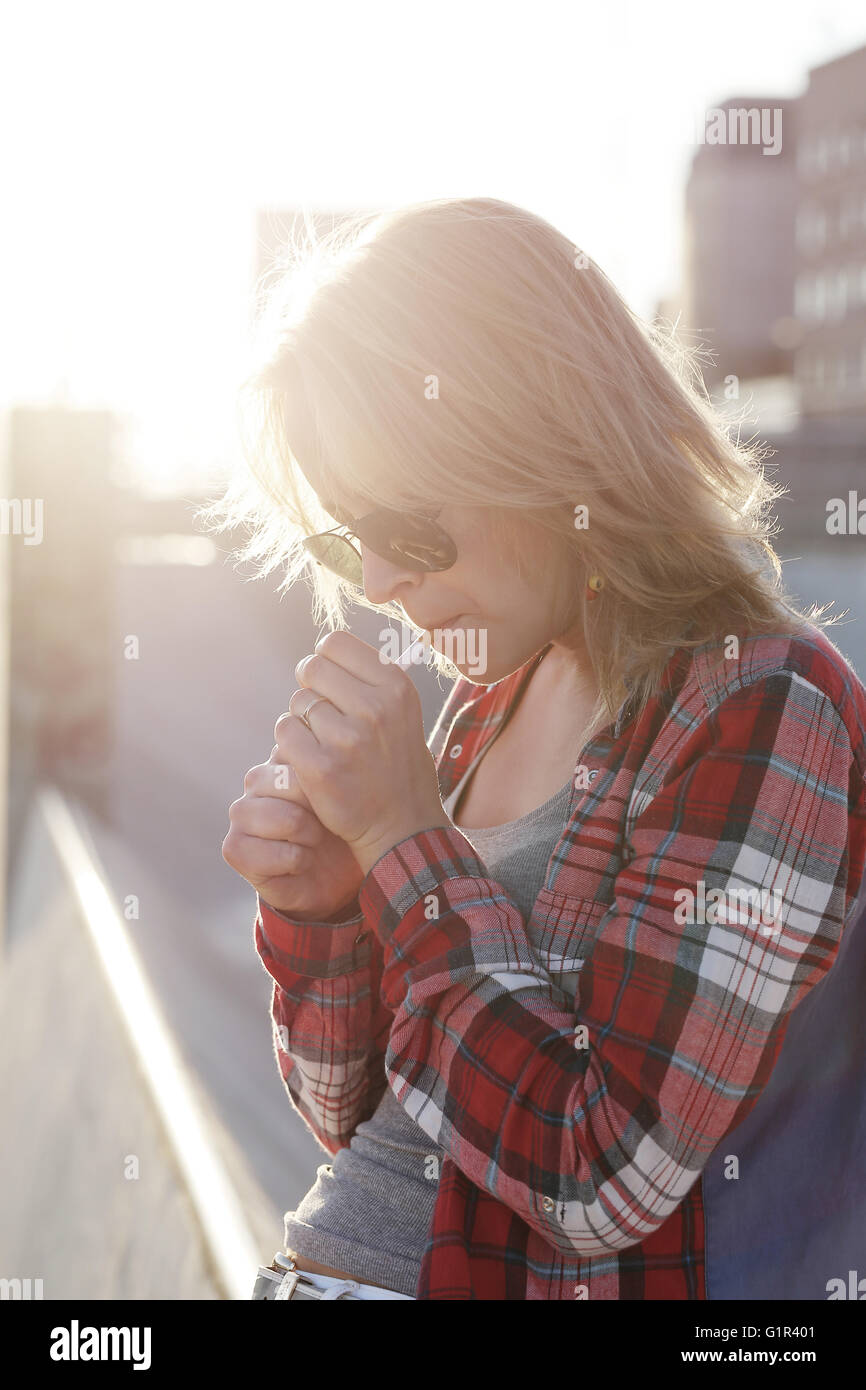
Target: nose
point(383, 581)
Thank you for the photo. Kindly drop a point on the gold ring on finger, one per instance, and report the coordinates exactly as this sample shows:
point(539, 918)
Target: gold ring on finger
point(305, 716)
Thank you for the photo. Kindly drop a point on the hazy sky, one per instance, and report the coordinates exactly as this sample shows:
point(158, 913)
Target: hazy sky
point(139, 139)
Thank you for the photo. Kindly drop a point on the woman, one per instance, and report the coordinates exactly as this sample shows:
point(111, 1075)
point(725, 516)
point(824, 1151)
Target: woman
point(532, 982)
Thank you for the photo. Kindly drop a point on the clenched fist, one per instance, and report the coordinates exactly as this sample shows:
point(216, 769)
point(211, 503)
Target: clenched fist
point(281, 848)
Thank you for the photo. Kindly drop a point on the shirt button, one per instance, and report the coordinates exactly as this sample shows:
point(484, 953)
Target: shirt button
point(548, 1204)
point(591, 776)
point(456, 750)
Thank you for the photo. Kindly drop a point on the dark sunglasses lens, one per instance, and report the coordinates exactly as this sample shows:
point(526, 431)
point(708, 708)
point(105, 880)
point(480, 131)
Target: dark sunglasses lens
point(415, 543)
point(338, 554)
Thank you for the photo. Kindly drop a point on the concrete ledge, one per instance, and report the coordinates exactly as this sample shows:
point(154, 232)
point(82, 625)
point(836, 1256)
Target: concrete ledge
point(95, 1200)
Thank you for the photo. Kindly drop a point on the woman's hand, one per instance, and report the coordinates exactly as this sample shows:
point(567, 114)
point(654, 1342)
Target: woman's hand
point(365, 768)
point(282, 849)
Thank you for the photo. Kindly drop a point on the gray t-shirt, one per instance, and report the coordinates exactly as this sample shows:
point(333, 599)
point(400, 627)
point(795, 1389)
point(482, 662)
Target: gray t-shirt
point(369, 1211)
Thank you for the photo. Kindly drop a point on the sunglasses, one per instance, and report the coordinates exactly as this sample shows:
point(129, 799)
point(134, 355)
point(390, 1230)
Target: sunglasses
point(409, 539)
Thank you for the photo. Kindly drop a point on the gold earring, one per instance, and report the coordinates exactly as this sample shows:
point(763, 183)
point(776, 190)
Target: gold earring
point(593, 585)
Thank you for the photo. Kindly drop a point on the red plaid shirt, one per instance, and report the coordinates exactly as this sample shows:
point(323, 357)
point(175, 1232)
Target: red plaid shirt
point(578, 1069)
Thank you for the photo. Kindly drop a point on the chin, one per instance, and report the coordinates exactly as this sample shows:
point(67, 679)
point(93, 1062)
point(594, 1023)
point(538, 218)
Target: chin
point(466, 647)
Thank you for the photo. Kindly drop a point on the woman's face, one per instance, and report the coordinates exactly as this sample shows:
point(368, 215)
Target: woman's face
point(511, 616)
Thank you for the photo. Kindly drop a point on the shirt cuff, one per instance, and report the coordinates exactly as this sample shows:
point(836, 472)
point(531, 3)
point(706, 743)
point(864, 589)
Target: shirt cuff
point(435, 862)
point(331, 946)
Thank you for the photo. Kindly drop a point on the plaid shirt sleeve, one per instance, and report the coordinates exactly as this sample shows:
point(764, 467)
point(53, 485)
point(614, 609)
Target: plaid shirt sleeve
point(329, 1024)
point(594, 1145)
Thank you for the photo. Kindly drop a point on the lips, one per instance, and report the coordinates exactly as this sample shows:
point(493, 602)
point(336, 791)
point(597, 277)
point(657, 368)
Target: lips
point(443, 623)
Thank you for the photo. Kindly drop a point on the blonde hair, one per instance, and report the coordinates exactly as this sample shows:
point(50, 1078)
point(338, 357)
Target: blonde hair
point(464, 351)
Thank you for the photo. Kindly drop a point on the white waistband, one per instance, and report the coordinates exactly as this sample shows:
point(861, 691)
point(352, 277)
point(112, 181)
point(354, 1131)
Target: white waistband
point(353, 1286)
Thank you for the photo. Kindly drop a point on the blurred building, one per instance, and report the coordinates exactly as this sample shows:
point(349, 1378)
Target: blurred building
point(830, 294)
point(61, 583)
point(775, 246)
point(739, 251)
point(775, 285)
